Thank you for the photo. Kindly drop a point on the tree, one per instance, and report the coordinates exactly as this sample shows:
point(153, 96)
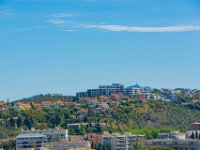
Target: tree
point(196, 135)
point(9, 145)
point(92, 144)
point(82, 131)
point(12, 122)
point(192, 135)
point(27, 123)
point(72, 131)
point(19, 121)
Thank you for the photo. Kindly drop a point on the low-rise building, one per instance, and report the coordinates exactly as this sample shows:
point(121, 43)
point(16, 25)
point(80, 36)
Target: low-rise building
point(64, 145)
point(2, 103)
point(52, 134)
point(26, 141)
point(22, 106)
point(46, 104)
point(189, 144)
point(124, 142)
point(172, 135)
point(5, 111)
point(195, 125)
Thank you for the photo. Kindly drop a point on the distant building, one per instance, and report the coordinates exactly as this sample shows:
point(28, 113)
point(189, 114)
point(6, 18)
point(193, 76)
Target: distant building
point(64, 145)
point(122, 142)
point(188, 144)
point(116, 97)
point(2, 103)
point(195, 125)
point(107, 90)
point(134, 90)
point(118, 91)
point(194, 93)
point(52, 134)
point(103, 90)
point(26, 141)
point(172, 135)
point(22, 106)
point(167, 95)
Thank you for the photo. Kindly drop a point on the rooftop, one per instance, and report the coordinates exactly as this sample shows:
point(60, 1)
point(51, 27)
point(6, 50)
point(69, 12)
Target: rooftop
point(135, 86)
point(28, 135)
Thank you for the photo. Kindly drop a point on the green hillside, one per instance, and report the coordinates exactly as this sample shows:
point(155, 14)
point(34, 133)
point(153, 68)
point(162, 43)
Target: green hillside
point(147, 118)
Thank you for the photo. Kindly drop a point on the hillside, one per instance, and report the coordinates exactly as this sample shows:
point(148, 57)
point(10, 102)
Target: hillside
point(154, 115)
point(44, 97)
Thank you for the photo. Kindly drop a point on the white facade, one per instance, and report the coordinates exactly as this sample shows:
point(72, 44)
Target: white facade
point(52, 134)
point(30, 140)
point(124, 142)
point(66, 145)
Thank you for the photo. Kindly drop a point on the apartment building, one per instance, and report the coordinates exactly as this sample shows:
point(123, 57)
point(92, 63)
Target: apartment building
point(64, 145)
point(26, 141)
point(52, 134)
point(107, 90)
point(121, 142)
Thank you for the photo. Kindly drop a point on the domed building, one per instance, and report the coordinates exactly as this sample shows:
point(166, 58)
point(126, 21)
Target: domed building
point(136, 86)
point(134, 90)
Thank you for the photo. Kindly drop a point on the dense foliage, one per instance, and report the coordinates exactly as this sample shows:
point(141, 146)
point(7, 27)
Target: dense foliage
point(148, 118)
point(155, 114)
point(50, 97)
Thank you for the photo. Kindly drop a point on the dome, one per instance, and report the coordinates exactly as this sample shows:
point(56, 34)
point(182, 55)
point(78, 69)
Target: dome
point(136, 86)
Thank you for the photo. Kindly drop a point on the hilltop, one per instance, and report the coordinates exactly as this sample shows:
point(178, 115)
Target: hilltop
point(44, 97)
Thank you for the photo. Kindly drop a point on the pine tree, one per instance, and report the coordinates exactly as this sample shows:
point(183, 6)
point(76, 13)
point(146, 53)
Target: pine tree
point(196, 135)
point(192, 135)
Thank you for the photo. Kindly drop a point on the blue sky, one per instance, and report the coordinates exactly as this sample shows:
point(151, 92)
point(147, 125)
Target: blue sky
point(65, 46)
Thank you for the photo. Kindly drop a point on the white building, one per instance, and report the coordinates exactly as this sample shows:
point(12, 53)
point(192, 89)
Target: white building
point(26, 141)
point(103, 90)
point(63, 145)
point(52, 134)
point(124, 142)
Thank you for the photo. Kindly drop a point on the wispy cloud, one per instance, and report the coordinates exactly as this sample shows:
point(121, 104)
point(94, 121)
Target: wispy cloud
point(121, 28)
point(63, 15)
point(58, 21)
point(70, 30)
point(19, 29)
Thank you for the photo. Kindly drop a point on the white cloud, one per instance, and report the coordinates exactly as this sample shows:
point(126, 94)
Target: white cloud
point(120, 28)
point(62, 15)
point(123, 28)
point(19, 29)
point(58, 21)
point(69, 30)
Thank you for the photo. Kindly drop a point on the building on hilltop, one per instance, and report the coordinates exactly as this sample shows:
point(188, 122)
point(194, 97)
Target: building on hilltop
point(22, 106)
point(107, 90)
point(118, 91)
